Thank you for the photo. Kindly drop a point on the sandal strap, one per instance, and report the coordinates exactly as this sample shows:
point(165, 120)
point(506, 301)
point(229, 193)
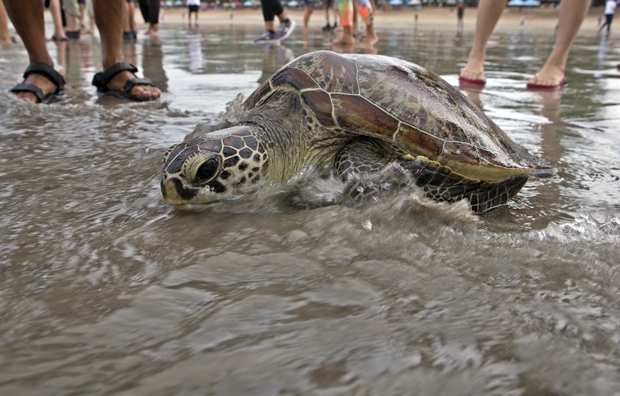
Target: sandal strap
point(48, 72)
point(136, 81)
point(101, 79)
point(23, 87)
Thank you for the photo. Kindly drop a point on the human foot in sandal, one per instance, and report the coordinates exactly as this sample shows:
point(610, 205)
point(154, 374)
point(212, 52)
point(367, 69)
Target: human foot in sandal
point(41, 84)
point(120, 80)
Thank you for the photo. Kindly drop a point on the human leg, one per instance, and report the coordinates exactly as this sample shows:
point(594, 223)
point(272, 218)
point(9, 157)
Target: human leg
point(72, 16)
point(271, 9)
point(110, 17)
point(345, 8)
point(489, 12)
point(59, 31)
point(91, 16)
point(365, 10)
point(153, 16)
point(4, 25)
point(328, 5)
point(307, 13)
point(571, 16)
point(131, 16)
point(608, 18)
point(150, 13)
point(27, 18)
point(82, 6)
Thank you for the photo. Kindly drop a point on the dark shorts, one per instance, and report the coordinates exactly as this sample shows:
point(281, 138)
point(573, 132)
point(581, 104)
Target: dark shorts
point(193, 8)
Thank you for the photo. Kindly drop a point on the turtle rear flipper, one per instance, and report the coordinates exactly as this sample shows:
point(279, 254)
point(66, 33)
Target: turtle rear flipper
point(368, 172)
point(441, 184)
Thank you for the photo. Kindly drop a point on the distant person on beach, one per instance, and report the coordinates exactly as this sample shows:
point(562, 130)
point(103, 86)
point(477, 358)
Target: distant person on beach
point(365, 10)
point(271, 9)
point(460, 13)
point(329, 6)
point(308, 8)
point(150, 13)
point(129, 30)
point(610, 10)
point(71, 10)
point(193, 6)
point(42, 82)
point(551, 76)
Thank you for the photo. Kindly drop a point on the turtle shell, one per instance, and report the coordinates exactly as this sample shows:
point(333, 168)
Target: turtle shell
point(401, 102)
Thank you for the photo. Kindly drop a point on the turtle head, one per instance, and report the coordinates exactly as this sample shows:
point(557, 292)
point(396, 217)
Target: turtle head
point(223, 165)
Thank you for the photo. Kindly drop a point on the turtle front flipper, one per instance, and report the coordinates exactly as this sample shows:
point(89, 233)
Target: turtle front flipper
point(442, 184)
point(362, 166)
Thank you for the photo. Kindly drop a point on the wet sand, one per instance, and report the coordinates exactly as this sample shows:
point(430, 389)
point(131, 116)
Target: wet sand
point(534, 18)
point(105, 289)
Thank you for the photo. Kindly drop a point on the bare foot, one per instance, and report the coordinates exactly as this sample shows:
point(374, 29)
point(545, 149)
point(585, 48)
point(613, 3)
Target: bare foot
point(344, 40)
point(46, 86)
point(147, 92)
point(473, 70)
point(369, 40)
point(471, 74)
point(547, 78)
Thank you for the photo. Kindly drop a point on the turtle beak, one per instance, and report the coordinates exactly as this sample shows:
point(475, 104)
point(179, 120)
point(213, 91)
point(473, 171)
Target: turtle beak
point(174, 192)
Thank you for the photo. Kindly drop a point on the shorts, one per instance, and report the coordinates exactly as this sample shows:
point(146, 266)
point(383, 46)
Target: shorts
point(71, 7)
point(193, 8)
point(309, 3)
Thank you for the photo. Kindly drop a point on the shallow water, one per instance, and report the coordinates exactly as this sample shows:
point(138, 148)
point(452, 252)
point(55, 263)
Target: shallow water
point(106, 289)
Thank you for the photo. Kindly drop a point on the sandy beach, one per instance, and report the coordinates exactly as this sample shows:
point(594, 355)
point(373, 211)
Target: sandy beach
point(427, 17)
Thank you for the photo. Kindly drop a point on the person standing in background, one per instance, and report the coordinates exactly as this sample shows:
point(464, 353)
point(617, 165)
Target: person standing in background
point(460, 13)
point(271, 9)
point(72, 17)
point(610, 10)
point(193, 8)
point(150, 13)
point(129, 30)
point(365, 10)
point(329, 6)
point(551, 76)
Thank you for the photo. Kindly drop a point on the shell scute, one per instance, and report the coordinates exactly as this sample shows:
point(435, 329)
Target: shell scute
point(320, 103)
point(357, 114)
point(466, 153)
point(332, 72)
point(296, 78)
point(417, 142)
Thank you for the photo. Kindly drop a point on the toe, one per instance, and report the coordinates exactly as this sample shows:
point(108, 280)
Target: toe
point(472, 74)
point(145, 92)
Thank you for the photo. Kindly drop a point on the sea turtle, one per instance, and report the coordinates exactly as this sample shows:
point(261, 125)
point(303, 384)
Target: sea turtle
point(376, 122)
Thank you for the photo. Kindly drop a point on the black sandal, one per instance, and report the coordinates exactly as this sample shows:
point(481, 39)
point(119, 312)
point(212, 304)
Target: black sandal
point(46, 71)
point(101, 80)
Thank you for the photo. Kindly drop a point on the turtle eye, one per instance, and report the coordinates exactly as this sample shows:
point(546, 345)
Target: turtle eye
point(207, 170)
